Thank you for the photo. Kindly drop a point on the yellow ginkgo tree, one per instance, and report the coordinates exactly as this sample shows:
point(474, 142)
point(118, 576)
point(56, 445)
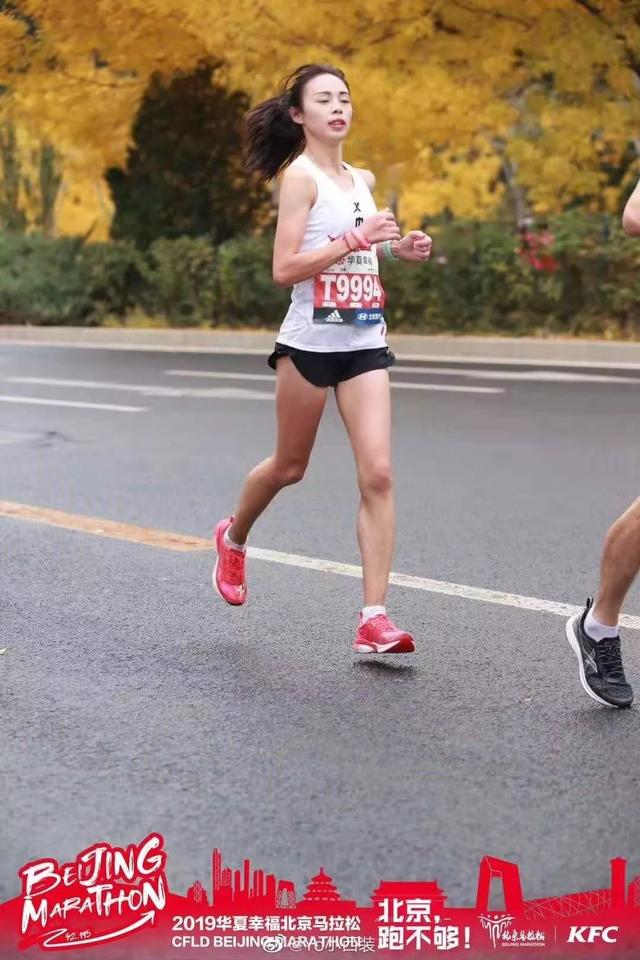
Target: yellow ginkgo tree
point(470, 106)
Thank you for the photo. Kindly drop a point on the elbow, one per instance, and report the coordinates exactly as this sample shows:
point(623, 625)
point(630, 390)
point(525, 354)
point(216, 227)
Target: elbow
point(631, 223)
point(281, 276)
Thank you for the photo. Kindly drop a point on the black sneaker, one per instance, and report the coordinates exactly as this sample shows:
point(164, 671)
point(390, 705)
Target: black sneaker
point(601, 670)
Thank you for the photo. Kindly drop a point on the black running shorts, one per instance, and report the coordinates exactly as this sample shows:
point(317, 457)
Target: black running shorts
point(330, 369)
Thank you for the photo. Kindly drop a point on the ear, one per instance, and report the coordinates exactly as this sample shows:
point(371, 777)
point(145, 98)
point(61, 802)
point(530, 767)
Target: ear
point(296, 115)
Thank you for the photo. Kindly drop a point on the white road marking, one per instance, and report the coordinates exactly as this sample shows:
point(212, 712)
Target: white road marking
point(14, 436)
point(545, 376)
point(441, 387)
point(237, 393)
point(432, 586)
point(74, 403)
point(167, 540)
point(488, 360)
point(221, 375)
point(220, 393)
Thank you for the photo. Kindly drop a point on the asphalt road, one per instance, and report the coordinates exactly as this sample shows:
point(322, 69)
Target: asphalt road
point(133, 700)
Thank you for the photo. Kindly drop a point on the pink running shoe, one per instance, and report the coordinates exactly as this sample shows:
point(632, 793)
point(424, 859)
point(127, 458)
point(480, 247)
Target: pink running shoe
point(228, 572)
point(380, 635)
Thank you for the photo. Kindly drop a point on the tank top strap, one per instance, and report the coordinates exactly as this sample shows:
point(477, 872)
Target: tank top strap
point(309, 166)
point(323, 181)
point(358, 179)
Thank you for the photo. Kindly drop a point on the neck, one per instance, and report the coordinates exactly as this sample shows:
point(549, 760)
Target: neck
point(324, 155)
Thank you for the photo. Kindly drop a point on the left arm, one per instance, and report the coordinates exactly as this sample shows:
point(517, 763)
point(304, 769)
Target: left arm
point(416, 245)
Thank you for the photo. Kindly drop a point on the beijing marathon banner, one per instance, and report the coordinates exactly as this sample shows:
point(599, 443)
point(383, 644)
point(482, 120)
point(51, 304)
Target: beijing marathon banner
point(115, 902)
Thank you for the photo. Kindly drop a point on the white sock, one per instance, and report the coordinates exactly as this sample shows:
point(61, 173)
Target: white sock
point(596, 630)
point(369, 612)
point(231, 543)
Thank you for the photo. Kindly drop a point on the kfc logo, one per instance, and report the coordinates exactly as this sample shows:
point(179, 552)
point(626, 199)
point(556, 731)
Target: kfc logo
point(593, 935)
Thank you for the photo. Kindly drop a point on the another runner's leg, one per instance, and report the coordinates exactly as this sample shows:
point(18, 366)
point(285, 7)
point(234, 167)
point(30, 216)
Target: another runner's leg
point(593, 634)
point(364, 403)
point(299, 406)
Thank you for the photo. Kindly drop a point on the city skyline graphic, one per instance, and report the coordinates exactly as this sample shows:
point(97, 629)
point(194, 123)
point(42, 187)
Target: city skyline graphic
point(250, 889)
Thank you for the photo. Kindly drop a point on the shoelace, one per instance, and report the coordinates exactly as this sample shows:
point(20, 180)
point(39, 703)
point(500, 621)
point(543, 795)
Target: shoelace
point(234, 566)
point(610, 658)
point(382, 620)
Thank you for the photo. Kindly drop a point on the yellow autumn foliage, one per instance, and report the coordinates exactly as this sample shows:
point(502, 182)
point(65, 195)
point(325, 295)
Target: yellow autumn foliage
point(459, 104)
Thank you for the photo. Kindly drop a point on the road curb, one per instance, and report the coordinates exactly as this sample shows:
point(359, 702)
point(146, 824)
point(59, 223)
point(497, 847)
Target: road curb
point(406, 346)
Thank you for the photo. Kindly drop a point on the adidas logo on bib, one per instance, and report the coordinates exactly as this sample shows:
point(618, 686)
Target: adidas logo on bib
point(334, 318)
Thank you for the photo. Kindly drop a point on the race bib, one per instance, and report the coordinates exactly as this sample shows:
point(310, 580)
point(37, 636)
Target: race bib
point(349, 298)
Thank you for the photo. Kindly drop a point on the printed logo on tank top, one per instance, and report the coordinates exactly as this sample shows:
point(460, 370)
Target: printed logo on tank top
point(349, 292)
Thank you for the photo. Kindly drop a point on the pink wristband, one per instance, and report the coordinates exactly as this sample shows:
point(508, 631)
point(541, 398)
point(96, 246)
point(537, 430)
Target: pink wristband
point(351, 241)
point(354, 239)
point(363, 243)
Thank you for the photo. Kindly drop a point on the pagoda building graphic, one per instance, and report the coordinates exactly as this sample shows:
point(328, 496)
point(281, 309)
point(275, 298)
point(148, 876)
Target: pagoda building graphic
point(322, 897)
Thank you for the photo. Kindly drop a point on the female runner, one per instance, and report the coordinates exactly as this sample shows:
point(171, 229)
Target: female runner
point(328, 241)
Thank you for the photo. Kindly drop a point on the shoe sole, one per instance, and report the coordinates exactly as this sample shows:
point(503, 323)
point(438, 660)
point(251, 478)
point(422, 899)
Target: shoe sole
point(214, 579)
point(575, 646)
point(398, 646)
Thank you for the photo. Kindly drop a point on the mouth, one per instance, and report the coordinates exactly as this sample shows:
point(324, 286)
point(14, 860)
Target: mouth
point(338, 124)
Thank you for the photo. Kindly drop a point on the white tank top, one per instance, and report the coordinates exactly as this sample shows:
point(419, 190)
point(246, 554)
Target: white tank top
point(341, 308)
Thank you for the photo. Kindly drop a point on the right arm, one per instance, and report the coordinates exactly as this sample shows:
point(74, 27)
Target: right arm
point(631, 215)
point(297, 196)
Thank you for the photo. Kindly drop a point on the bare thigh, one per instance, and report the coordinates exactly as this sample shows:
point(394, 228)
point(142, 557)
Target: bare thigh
point(364, 403)
point(299, 407)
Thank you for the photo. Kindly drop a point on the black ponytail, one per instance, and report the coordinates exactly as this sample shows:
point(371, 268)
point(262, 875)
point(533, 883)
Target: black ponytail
point(272, 138)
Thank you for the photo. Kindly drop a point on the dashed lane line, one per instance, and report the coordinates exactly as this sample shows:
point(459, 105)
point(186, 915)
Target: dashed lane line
point(44, 402)
point(153, 390)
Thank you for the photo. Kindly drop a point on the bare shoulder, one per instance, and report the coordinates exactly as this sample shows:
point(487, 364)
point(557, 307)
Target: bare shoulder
point(367, 176)
point(298, 182)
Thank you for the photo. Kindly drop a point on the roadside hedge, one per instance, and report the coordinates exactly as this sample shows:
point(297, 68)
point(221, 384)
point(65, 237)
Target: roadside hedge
point(478, 281)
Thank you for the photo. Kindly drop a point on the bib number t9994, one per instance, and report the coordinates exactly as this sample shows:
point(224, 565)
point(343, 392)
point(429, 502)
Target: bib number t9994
point(351, 298)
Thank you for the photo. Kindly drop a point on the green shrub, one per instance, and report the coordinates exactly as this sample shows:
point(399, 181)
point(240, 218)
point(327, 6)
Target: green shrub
point(248, 295)
point(65, 281)
point(182, 281)
point(43, 281)
point(476, 282)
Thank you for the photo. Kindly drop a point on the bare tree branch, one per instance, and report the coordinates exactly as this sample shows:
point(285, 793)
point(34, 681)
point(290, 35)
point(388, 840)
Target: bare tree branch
point(495, 14)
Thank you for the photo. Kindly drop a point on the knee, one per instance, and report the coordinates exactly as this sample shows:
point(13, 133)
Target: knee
point(629, 522)
point(287, 474)
point(376, 479)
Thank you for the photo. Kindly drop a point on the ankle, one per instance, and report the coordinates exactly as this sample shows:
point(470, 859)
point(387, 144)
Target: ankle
point(373, 610)
point(234, 541)
point(600, 629)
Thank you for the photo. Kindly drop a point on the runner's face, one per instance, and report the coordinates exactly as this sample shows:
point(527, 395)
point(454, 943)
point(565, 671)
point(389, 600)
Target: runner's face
point(326, 108)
